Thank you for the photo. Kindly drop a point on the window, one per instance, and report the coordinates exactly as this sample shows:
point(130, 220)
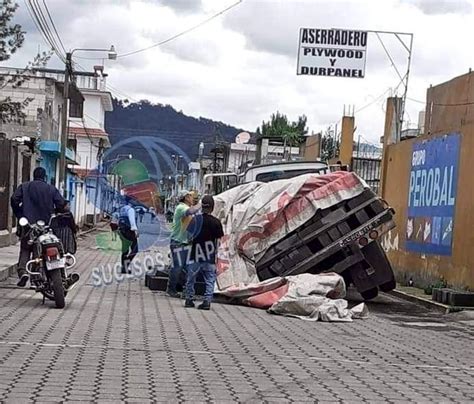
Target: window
point(76, 109)
point(72, 144)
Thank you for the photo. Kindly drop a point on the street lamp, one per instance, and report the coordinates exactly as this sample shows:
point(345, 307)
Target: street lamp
point(112, 55)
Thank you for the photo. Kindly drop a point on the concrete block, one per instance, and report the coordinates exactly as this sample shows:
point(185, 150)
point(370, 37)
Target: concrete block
point(436, 295)
point(445, 292)
point(464, 299)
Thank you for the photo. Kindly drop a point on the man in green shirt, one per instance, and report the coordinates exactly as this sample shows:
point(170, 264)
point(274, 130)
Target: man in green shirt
point(180, 238)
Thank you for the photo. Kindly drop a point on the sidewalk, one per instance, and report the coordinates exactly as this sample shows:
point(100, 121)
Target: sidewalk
point(416, 295)
point(8, 260)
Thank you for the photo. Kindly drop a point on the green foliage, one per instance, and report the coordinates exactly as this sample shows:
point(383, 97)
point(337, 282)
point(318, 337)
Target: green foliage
point(11, 39)
point(441, 283)
point(11, 35)
point(329, 146)
point(279, 127)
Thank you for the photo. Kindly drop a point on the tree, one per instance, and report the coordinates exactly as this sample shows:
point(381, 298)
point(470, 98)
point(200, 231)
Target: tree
point(279, 127)
point(329, 145)
point(11, 39)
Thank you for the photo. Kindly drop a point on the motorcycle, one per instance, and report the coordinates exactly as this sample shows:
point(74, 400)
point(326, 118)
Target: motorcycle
point(49, 267)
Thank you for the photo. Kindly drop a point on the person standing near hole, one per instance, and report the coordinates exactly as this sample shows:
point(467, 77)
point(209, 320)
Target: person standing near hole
point(203, 253)
point(180, 238)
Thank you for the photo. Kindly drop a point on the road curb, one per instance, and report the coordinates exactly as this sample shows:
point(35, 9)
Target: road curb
point(5, 273)
point(428, 303)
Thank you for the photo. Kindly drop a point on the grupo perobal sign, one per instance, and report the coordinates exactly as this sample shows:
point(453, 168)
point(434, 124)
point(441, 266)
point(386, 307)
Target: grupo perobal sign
point(332, 52)
point(432, 195)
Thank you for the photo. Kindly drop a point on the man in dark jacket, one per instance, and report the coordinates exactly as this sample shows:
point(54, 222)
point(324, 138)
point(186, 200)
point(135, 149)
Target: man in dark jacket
point(207, 230)
point(35, 200)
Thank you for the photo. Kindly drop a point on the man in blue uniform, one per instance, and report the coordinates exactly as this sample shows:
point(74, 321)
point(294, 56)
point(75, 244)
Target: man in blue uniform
point(128, 231)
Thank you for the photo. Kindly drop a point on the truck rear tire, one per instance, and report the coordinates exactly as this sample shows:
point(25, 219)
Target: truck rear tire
point(370, 294)
point(388, 286)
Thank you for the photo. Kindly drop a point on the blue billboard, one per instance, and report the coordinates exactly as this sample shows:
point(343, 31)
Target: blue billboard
point(432, 195)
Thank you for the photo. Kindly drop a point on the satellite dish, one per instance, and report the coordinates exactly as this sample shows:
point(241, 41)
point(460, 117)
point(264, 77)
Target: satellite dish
point(242, 138)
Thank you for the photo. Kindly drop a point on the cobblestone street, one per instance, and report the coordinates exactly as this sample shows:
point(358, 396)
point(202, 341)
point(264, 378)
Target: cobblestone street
point(123, 342)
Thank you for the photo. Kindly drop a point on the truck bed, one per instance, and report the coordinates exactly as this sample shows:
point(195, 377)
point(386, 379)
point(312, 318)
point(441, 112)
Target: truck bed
point(334, 240)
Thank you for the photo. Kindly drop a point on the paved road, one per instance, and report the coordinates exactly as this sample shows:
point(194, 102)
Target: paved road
point(123, 342)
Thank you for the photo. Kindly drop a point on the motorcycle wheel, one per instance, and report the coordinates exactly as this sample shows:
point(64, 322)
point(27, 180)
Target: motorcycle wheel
point(58, 288)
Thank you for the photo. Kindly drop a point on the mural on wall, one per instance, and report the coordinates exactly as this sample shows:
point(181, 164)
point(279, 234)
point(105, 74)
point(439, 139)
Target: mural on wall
point(432, 195)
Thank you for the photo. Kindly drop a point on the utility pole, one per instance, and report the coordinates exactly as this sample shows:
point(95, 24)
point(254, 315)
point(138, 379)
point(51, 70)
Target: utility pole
point(112, 55)
point(215, 154)
point(64, 119)
point(97, 179)
point(358, 145)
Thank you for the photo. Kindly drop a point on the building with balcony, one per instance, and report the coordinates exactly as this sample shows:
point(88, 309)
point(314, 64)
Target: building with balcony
point(87, 139)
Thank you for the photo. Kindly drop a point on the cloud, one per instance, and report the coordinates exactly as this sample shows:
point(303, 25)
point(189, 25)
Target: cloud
point(437, 7)
point(183, 5)
point(241, 67)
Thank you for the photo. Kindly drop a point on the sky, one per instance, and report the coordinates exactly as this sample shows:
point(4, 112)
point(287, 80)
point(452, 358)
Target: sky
point(240, 67)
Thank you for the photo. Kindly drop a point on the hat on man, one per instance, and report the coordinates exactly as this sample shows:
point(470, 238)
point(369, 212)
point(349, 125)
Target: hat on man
point(207, 202)
point(183, 194)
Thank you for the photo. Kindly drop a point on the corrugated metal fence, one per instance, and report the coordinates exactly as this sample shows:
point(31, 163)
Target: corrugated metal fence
point(369, 170)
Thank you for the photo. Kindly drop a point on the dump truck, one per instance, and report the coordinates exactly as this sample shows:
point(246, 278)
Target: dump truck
point(271, 232)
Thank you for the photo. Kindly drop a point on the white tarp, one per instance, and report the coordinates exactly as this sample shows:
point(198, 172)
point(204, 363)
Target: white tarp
point(257, 215)
point(306, 296)
point(308, 299)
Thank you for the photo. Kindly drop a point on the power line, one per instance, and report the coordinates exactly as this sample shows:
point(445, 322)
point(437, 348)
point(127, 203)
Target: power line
point(373, 101)
point(54, 26)
point(183, 32)
point(45, 26)
point(192, 28)
point(389, 57)
point(43, 29)
point(120, 92)
point(370, 103)
point(414, 100)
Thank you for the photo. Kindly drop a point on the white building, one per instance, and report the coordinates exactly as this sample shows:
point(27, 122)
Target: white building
point(241, 153)
point(87, 139)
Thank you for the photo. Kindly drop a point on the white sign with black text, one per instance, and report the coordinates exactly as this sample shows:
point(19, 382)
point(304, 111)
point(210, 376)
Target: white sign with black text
point(332, 52)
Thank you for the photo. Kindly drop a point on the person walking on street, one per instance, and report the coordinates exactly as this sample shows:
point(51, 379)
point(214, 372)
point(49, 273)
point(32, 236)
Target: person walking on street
point(128, 232)
point(203, 253)
point(179, 238)
point(35, 200)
